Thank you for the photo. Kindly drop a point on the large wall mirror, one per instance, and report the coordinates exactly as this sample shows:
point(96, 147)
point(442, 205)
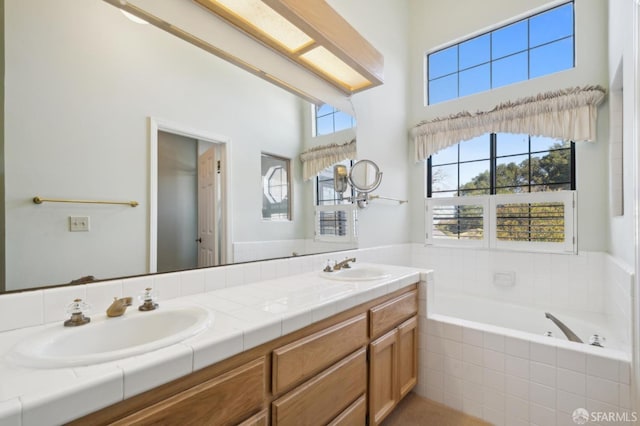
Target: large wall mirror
point(82, 85)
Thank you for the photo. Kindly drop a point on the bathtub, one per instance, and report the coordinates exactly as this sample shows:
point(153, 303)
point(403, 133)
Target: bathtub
point(510, 318)
point(492, 360)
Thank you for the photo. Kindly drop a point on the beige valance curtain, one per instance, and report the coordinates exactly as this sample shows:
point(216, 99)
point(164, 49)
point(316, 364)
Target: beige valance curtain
point(568, 114)
point(315, 160)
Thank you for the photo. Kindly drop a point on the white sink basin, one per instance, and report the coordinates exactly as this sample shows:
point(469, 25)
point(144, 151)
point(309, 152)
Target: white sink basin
point(356, 273)
point(106, 339)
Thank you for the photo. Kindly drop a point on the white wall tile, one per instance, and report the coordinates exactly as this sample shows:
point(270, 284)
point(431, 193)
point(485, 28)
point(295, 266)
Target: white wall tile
point(19, 310)
point(100, 295)
point(452, 401)
point(192, 282)
point(453, 386)
point(472, 373)
point(543, 374)
point(517, 347)
point(453, 367)
point(494, 380)
point(572, 360)
point(452, 332)
point(568, 402)
point(452, 349)
point(57, 300)
point(472, 336)
point(434, 361)
point(473, 391)
point(543, 353)
point(493, 341)
point(625, 396)
point(166, 286)
point(472, 354)
point(493, 360)
point(516, 386)
point(518, 367)
point(572, 381)
point(516, 408)
point(605, 368)
point(603, 390)
point(235, 275)
point(495, 401)
point(542, 395)
point(541, 416)
point(216, 278)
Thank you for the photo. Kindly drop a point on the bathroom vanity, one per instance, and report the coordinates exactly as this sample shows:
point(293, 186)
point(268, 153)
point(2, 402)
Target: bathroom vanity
point(342, 353)
point(317, 375)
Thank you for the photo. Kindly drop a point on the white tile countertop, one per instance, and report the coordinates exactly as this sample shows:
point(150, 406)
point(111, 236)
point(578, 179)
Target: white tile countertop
point(243, 317)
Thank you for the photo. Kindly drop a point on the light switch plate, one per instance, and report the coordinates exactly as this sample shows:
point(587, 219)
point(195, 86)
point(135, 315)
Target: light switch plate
point(79, 223)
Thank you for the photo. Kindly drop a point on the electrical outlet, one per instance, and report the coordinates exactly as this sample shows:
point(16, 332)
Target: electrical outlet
point(79, 223)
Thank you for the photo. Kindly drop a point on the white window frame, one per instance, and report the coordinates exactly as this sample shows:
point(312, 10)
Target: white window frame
point(352, 221)
point(479, 200)
point(489, 203)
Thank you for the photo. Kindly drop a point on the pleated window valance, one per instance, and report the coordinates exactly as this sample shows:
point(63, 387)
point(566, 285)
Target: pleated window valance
point(315, 160)
point(565, 114)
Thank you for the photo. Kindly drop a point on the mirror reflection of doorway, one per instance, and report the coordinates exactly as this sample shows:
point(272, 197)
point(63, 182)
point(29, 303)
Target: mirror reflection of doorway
point(189, 198)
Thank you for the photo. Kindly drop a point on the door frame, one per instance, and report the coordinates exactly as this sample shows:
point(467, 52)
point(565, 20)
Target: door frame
point(156, 125)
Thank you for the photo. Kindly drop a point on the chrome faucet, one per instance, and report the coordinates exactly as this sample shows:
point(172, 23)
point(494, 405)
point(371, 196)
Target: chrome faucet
point(119, 306)
point(566, 330)
point(344, 264)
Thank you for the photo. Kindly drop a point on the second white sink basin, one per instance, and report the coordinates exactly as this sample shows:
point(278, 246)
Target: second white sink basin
point(357, 273)
point(106, 339)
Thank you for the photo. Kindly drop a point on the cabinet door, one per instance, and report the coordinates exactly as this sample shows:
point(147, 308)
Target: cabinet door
point(325, 396)
point(383, 376)
point(224, 400)
point(407, 355)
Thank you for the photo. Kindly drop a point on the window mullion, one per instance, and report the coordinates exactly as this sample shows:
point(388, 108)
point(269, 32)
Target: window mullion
point(493, 163)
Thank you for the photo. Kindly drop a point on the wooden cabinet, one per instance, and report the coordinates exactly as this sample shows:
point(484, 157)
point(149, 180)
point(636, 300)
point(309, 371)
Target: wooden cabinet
point(393, 357)
point(324, 397)
point(224, 400)
point(383, 376)
point(260, 419)
point(318, 375)
point(303, 358)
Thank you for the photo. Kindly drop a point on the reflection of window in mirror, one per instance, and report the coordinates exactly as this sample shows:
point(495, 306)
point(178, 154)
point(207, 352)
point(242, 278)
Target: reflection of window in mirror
point(325, 192)
point(334, 224)
point(327, 120)
point(276, 187)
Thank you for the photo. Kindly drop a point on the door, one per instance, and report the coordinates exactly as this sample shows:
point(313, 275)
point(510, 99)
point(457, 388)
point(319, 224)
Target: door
point(383, 376)
point(208, 194)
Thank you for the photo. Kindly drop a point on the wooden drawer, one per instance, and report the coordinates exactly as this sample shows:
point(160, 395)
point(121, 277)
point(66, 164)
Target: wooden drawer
point(354, 415)
point(297, 361)
point(324, 397)
point(389, 314)
point(224, 400)
point(260, 419)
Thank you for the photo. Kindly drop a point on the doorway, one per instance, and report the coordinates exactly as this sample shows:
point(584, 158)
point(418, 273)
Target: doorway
point(188, 203)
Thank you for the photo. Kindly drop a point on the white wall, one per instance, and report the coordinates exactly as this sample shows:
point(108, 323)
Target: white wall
point(81, 80)
point(381, 114)
point(621, 51)
point(435, 24)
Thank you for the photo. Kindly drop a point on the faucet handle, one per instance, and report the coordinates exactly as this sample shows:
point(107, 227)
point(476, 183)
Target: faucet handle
point(77, 308)
point(329, 268)
point(148, 300)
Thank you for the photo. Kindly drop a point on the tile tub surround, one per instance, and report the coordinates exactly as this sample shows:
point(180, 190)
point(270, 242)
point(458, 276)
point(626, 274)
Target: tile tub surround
point(505, 379)
point(245, 316)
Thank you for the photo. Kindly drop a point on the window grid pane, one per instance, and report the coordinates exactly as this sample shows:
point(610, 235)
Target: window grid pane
point(539, 222)
point(458, 222)
point(329, 120)
point(539, 45)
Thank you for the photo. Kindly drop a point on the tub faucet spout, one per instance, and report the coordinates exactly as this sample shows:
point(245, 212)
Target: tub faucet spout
point(566, 330)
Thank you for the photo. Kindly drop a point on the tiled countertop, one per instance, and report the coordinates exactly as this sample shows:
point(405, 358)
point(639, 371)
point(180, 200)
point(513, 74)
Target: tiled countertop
point(244, 317)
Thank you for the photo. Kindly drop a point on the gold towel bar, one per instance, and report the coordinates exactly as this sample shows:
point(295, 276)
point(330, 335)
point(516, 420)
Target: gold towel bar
point(40, 200)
